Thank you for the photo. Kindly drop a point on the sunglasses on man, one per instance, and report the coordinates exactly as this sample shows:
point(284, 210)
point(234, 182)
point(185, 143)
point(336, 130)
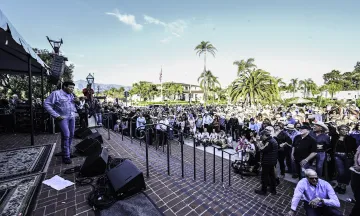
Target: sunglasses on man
point(313, 178)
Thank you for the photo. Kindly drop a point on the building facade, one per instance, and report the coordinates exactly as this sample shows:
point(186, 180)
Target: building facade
point(341, 95)
point(191, 93)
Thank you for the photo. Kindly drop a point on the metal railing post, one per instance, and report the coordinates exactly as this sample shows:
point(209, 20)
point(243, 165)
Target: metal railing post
point(214, 165)
point(122, 134)
point(168, 157)
point(222, 166)
point(131, 130)
point(162, 133)
point(167, 137)
point(147, 153)
point(229, 169)
point(194, 159)
point(182, 155)
point(140, 135)
point(157, 139)
point(108, 125)
point(204, 162)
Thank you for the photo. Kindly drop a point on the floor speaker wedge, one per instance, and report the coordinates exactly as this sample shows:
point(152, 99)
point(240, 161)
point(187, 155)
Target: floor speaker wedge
point(82, 133)
point(88, 147)
point(126, 179)
point(97, 136)
point(95, 164)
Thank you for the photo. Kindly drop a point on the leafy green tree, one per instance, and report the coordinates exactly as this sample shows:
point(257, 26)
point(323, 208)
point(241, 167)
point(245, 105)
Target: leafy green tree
point(115, 92)
point(333, 88)
point(18, 84)
point(171, 89)
point(208, 81)
point(142, 89)
point(280, 84)
point(293, 85)
point(244, 66)
point(333, 76)
point(308, 86)
point(254, 87)
point(204, 48)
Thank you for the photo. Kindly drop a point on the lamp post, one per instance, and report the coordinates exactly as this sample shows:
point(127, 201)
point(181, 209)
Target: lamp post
point(90, 79)
point(55, 45)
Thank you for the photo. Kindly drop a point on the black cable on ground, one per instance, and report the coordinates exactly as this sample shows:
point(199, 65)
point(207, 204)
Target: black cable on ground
point(72, 170)
point(101, 197)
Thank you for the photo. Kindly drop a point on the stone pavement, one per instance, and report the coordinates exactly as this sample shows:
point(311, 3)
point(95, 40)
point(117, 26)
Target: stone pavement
point(172, 194)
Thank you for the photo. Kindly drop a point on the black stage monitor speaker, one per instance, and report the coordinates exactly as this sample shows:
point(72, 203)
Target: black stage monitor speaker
point(88, 147)
point(96, 136)
point(126, 179)
point(82, 133)
point(95, 164)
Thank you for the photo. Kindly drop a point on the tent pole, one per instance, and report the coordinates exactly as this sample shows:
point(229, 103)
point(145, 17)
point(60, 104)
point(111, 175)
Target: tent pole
point(42, 100)
point(30, 102)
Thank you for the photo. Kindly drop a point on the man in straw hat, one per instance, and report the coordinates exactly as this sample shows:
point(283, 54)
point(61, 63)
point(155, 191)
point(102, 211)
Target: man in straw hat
point(322, 143)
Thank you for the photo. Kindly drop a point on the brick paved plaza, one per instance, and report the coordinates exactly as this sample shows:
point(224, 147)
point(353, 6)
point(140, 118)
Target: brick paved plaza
point(172, 194)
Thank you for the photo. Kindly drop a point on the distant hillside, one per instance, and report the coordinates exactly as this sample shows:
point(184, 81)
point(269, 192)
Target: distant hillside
point(81, 84)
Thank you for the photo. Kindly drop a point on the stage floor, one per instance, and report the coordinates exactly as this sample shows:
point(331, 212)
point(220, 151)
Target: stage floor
point(160, 187)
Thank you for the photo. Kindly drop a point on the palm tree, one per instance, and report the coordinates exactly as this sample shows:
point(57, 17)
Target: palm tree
point(245, 65)
point(280, 84)
point(333, 88)
point(177, 89)
point(208, 81)
point(219, 92)
point(309, 86)
point(205, 47)
point(253, 87)
point(293, 86)
point(141, 89)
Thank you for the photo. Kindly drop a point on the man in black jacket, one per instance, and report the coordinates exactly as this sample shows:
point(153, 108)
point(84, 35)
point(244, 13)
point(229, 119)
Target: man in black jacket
point(269, 149)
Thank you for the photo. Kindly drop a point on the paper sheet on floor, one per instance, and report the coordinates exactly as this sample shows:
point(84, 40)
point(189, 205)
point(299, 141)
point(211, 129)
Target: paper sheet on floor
point(58, 183)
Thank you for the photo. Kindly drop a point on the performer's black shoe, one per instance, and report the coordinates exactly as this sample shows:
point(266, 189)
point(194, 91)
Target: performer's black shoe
point(277, 181)
point(61, 154)
point(67, 161)
point(273, 192)
point(260, 192)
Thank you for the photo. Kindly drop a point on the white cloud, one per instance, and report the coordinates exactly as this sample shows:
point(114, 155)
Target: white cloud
point(176, 28)
point(152, 20)
point(121, 65)
point(127, 19)
point(166, 40)
point(177, 35)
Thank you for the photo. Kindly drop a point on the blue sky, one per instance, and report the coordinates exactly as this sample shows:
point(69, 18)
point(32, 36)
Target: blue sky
point(125, 41)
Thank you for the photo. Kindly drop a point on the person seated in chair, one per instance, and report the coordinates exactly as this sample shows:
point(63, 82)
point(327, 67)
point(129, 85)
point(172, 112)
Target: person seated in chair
point(222, 139)
point(214, 138)
point(117, 126)
point(318, 196)
point(198, 138)
point(229, 141)
point(205, 137)
point(124, 126)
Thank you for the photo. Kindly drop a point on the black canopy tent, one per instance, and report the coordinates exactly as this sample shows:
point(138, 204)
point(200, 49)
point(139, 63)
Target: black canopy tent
point(18, 58)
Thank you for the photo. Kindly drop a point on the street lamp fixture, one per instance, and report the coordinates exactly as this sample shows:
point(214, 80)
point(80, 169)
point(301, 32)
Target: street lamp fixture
point(90, 79)
point(55, 44)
